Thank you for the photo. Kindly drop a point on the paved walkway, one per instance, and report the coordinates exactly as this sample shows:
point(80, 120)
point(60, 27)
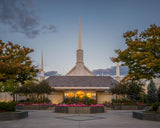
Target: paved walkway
point(110, 119)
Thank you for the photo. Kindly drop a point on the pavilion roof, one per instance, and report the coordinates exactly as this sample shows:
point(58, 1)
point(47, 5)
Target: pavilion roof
point(81, 81)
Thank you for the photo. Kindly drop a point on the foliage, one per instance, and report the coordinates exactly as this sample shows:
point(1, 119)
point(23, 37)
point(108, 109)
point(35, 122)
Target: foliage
point(11, 87)
point(36, 91)
point(122, 101)
point(120, 88)
point(15, 63)
point(130, 88)
point(134, 90)
point(158, 94)
point(152, 92)
point(155, 106)
point(10, 106)
point(43, 88)
point(75, 100)
point(28, 88)
point(142, 55)
point(144, 98)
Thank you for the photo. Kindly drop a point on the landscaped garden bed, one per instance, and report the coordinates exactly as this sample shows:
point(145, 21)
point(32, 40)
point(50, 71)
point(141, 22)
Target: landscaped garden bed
point(8, 112)
point(33, 106)
point(79, 108)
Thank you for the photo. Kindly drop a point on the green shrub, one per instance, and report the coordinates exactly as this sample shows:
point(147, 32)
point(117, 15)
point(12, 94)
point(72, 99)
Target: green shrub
point(144, 98)
point(10, 106)
point(155, 106)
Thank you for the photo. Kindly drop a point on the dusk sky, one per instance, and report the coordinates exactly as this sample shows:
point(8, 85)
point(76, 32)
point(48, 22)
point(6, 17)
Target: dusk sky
point(52, 26)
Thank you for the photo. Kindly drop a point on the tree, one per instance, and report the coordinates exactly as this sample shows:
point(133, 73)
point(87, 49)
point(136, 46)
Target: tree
point(36, 91)
point(15, 63)
point(28, 88)
point(158, 93)
point(43, 88)
point(142, 55)
point(130, 88)
point(134, 90)
point(11, 87)
point(152, 92)
point(120, 89)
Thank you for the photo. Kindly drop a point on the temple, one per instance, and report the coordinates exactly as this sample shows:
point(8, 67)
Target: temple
point(81, 81)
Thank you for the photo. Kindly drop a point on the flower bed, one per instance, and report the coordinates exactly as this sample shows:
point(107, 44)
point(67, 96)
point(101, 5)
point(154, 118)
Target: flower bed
point(79, 108)
point(33, 106)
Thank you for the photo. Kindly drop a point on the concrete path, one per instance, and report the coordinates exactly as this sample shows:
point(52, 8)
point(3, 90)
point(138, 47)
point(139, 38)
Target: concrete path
point(49, 119)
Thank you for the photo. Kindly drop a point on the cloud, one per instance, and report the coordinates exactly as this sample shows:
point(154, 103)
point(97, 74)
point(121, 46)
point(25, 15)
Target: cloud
point(111, 71)
point(21, 17)
point(50, 28)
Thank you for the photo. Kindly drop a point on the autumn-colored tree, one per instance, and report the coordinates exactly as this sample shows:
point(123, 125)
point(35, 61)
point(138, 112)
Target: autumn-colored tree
point(142, 55)
point(15, 63)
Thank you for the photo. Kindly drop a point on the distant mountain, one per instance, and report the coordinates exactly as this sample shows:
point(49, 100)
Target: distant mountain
point(49, 73)
point(111, 71)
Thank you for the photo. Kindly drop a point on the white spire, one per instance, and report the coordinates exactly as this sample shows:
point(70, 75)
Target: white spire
point(102, 74)
point(79, 36)
point(80, 69)
point(117, 70)
point(117, 73)
point(42, 70)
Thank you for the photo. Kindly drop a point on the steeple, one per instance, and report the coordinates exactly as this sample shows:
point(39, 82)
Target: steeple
point(80, 69)
point(117, 70)
point(117, 73)
point(79, 36)
point(42, 70)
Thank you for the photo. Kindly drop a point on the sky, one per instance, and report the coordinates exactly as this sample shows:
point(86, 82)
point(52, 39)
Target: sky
point(51, 26)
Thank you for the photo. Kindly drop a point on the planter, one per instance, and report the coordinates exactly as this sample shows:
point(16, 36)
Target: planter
point(34, 107)
point(127, 107)
point(13, 115)
point(79, 110)
point(146, 116)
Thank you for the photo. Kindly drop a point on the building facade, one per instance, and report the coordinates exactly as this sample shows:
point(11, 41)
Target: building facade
point(80, 81)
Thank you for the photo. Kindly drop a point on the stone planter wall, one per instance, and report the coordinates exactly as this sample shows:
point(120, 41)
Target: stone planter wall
point(78, 110)
point(127, 107)
point(146, 116)
point(34, 107)
point(61, 109)
point(13, 115)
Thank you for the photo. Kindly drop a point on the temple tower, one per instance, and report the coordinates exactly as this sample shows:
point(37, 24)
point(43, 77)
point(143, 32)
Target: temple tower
point(117, 73)
point(80, 69)
point(42, 69)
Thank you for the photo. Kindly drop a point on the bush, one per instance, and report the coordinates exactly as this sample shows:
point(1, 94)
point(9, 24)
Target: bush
point(122, 101)
point(10, 106)
point(74, 100)
point(155, 106)
point(144, 98)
